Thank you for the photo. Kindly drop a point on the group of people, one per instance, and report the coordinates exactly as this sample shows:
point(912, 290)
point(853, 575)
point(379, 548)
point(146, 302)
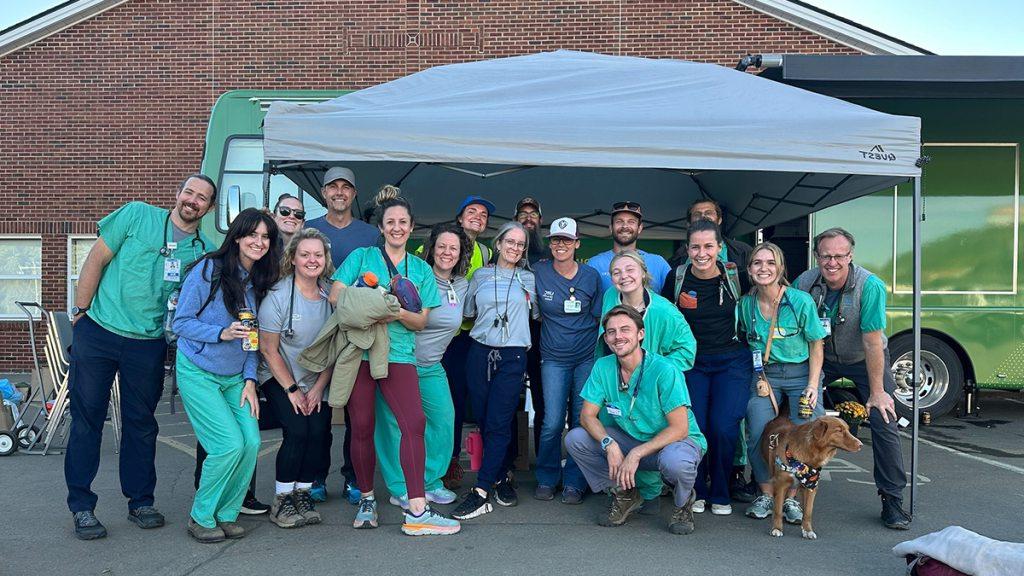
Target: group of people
point(664, 373)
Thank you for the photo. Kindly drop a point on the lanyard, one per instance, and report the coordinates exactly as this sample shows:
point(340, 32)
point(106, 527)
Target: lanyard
point(623, 386)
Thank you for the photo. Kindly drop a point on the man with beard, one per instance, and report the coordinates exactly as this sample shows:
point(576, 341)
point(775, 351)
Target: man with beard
point(345, 234)
point(136, 263)
point(626, 226)
point(528, 214)
point(289, 215)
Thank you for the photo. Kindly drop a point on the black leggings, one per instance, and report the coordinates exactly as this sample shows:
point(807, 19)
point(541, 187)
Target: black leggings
point(300, 457)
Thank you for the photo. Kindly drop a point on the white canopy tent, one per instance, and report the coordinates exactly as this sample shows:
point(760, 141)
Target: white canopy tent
point(580, 131)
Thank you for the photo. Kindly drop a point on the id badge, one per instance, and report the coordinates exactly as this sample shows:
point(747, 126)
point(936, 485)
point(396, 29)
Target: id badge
point(453, 298)
point(613, 410)
point(172, 270)
point(572, 306)
point(826, 324)
point(758, 361)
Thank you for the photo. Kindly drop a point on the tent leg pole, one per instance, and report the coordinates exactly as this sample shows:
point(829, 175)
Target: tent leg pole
point(916, 378)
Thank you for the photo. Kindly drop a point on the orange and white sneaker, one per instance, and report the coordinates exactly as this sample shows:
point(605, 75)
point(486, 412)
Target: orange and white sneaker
point(429, 522)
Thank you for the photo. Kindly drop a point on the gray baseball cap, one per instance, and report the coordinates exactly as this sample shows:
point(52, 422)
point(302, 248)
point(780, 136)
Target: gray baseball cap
point(339, 173)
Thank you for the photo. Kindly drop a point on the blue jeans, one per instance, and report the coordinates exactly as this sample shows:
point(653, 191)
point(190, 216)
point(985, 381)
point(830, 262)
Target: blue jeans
point(719, 386)
point(563, 382)
point(495, 378)
point(788, 379)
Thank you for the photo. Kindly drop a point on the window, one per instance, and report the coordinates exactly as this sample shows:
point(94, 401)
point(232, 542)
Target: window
point(78, 249)
point(243, 167)
point(21, 274)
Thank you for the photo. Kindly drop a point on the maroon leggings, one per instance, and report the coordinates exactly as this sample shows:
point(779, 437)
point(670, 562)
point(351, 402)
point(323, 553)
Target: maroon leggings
point(401, 390)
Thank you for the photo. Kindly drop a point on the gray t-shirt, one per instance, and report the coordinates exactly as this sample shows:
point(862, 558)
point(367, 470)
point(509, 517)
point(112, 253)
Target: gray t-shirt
point(442, 323)
point(308, 316)
point(497, 294)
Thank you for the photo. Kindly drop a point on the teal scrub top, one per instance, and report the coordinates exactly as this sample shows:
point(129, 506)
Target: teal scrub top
point(666, 331)
point(797, 325)
point(872, 306)
point(131, 299)
point(403, 340)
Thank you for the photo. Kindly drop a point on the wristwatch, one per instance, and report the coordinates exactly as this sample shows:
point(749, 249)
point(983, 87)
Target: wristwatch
point(75, 310)
point(606, 442)
point(292, 388)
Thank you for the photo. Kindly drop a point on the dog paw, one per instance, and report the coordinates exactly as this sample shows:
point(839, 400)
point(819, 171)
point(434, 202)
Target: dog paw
point(776, 533)
point(809, 534)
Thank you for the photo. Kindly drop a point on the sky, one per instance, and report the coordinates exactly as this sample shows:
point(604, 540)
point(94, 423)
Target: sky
point(947, 27)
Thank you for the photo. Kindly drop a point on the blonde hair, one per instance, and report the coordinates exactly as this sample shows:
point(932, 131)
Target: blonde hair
point(780, 259)
point(287, 264)
point(636, 257)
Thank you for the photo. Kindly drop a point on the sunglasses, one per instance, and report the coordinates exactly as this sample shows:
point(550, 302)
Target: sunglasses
point(631, 206)
point(285, 211)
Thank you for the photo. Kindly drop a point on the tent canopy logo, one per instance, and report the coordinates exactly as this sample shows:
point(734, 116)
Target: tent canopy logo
point(878, 153)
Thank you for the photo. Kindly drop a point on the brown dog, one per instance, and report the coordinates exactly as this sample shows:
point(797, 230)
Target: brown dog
point(796, 455)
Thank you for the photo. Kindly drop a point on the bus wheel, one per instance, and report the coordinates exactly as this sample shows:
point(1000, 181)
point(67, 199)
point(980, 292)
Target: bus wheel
point(942, 375)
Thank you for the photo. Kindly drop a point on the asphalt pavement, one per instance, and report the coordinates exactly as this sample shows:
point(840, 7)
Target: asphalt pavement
point(971, 473)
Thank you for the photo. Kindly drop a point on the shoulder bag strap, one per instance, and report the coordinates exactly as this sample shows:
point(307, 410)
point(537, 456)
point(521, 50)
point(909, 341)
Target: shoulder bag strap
point(768, 345)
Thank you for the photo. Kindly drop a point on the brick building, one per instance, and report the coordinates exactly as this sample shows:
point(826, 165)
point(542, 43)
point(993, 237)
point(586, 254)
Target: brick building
point(106, 101)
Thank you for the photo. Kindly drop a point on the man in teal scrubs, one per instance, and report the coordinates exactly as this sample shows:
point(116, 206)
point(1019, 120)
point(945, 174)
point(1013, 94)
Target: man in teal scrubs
point(646, 398)
point(136, 263)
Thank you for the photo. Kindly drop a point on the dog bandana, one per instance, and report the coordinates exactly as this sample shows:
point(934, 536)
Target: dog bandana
point(806, 475)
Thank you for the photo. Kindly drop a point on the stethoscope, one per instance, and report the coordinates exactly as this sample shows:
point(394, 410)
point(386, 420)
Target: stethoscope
point(166, 251)
point(752, 335)
point(289, 332)
point(819, 289)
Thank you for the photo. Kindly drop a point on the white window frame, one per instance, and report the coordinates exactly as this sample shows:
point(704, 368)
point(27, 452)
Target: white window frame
point(17, 317)
point(71, 275)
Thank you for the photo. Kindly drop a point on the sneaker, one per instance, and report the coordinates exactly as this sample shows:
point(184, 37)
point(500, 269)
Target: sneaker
point(441, 496)
point(400, 501)
point(505, 491)
point(721, 509)
point(318, 492)
point(893, 515)
point(283, 512)
point(253, 507)
point(544, 492)
point(572, 496)
point(453, 477)
point(742, 491)
point(232, 530)
point(472, 505)
point(682, 517)
point(762, 507)
point(624, 502)
point(366, 516)
point(792, 513)
point(429, 522)
point(146, 517)
point(651, 507)
point(352, 493)
point(305, 507)
point(203, 534)
point(88, 527)
point(698, 506)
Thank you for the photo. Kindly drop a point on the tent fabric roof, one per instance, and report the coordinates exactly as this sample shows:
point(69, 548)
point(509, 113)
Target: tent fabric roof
point(584, 130)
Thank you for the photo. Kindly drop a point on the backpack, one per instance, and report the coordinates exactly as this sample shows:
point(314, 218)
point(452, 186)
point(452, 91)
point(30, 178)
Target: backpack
point(172, 303)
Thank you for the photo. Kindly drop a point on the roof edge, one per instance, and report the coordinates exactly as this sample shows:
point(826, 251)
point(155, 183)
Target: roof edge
point(834, 27)
point(50, 22)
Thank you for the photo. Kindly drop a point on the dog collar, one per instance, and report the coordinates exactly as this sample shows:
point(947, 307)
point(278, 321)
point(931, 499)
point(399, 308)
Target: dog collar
point(807, 476)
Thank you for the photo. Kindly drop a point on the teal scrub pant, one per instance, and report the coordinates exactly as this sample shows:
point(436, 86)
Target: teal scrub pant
point(228, 432)
point(438, 436)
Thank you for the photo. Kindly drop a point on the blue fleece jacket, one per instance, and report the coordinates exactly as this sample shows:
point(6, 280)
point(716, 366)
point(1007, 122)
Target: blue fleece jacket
point(199, 336)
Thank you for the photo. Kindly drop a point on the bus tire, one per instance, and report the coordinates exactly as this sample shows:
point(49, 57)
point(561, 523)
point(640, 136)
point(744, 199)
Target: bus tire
point(942, 381)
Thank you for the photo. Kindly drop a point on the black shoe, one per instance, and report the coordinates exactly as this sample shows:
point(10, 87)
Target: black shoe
point(743, 491)
point(651, 507)
point(146, 517)
point(88, 527)
point(253, 507)
point(893, 514)
point(544, 492)
point(505, 491)
point(472, 505)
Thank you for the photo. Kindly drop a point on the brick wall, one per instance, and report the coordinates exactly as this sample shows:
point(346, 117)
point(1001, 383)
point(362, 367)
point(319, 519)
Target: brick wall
point(115, 108)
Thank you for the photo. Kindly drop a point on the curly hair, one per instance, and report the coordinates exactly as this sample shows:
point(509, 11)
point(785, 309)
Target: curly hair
point(465, 245)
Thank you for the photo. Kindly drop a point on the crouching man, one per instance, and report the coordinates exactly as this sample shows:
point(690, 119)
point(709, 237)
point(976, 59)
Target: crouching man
point(646, 424)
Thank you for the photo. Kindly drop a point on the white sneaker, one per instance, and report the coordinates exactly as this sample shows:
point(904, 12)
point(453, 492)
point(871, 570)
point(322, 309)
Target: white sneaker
point(698, 506)
point(721, 509)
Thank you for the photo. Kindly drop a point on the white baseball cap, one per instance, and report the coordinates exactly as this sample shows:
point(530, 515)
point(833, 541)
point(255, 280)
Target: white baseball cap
point(564, 227)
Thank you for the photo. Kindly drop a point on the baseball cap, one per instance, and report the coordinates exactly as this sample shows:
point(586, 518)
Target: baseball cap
point(628, 206)
point(339, 173)
point(564, 227)
point(528, 201)
point(473, 199)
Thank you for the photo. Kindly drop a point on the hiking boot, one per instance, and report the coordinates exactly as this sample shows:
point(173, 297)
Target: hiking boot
point(721, 509)
point(624, 502)
point(572, 496)
point(893, 515)
point(146, 517)
point(682, 517)
point(453, 477)
point(792, 513)
point(88, 527)
point(366, 516)
point(472, 505)
point(505, 491)
point(762, 507)
point(318, 492)
point(429, 522)
point(305, 507)
point(232, 530)
point(543, 492)
point(441, 496)
point(203, 534)
point(698, 506)
point(283, 512)
point(253, 507)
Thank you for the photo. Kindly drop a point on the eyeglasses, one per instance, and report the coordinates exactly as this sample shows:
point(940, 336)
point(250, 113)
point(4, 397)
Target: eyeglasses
point(528, 214)
point(836, 257)
point(285, 211)
point(627, 205)
point(561, 240)
point(513, 244)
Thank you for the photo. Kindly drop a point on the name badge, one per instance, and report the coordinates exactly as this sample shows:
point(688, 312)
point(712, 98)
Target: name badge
point(453, 298)
point(758, 361)
point(572, 306)
point(613, 410)
point(826, 324)
point(172, 246)
point(172, 270)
